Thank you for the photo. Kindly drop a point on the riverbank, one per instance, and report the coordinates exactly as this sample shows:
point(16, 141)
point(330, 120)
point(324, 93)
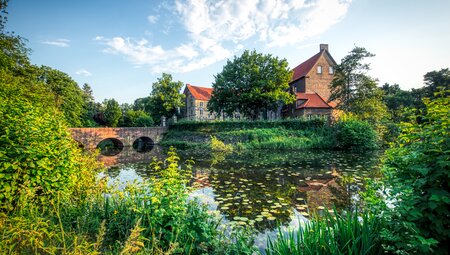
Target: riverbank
point(291, 134)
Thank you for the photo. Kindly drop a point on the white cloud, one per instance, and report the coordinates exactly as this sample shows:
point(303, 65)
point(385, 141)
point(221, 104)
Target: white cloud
point(83, 72)
point(58, 42)
point(152, 19)
point(218, 29)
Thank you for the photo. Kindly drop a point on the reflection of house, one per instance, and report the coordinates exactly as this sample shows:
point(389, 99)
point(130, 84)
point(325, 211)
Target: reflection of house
point(310, 84)
point(196, 103)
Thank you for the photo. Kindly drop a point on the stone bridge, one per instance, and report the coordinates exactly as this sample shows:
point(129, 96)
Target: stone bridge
point(91, 137)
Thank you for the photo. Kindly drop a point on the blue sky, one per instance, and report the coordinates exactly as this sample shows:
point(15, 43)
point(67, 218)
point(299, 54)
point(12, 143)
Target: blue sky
point(121, 47)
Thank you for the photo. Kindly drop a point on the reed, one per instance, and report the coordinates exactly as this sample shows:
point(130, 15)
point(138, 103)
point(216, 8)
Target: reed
point(335, 233)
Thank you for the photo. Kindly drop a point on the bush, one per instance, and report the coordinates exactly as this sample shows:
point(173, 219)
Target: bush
point(417, 183)
point(37, 153)
point(356, 135)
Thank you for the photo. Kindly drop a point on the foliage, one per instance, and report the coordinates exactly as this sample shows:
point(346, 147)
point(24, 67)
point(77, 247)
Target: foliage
point(417, 183)
point(250, 84)
point(133, 118)
point(68, 96)
point(232, 125)
point(436, 81)
point(37, 153)
point(397, 100)
point(112, 112)
point(219, 146)
point(165, 98)
point(354, 134)
point(340, 234)
point(282, 134)
point(355, 91)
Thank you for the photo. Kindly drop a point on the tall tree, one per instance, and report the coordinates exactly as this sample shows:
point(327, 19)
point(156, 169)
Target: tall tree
point(397, 99)
point(435, 81)
point(251, 84)
point(112, 112)
point(354, 90)
point(68, 96)
point(165, 98)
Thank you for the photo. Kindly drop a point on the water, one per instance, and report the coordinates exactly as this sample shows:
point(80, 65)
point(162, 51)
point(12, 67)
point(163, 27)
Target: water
point(263, 188)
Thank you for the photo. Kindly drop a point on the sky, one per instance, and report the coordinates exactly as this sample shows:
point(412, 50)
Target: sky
point(120, 48)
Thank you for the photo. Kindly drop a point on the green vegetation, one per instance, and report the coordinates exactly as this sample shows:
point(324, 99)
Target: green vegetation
point(355, 135)
point(152, 217)
point(416, 183)
point(331, 234)
point(165, 97)
point(251, 84)
point(355, 91)
point(294, 134)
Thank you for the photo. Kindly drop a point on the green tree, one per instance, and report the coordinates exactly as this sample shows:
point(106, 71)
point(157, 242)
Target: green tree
point(91, 107)
point(68, 96)
point(356, 92)
point(132, 118)
point(165, 98)
point(251, 84)
point(397, 100)
point(112, 112)
point(435, 81)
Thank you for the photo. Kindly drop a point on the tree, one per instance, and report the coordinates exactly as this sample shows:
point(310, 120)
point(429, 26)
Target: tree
point(112, 112)
point(68, 96)
point(356, 92)
point(251, 84)
point(435, 81)
point(166, 98)
point(397, 100)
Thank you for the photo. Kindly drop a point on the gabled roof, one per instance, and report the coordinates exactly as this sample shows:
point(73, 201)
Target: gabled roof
point(200, 93)
point(312, 100)
point(303, 69)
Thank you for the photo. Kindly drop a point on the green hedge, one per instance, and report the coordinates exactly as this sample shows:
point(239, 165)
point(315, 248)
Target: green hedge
point(230, 125)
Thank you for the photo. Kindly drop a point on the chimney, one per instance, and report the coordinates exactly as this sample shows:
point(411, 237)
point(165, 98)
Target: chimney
point(323, 47)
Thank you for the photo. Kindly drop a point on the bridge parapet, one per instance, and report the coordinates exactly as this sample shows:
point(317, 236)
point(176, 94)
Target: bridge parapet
point(91, 137)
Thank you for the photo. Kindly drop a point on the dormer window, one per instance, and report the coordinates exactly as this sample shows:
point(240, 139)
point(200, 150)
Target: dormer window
point(330, 70)
point(319, 69)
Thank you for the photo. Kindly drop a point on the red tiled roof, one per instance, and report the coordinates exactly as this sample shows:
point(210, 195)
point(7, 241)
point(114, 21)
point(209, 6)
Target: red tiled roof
point(200, 93)
point(304, 68)
point(312, 100)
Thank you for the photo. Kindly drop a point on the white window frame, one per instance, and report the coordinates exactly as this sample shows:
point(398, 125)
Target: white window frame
point(330, 70)
point(319, 69)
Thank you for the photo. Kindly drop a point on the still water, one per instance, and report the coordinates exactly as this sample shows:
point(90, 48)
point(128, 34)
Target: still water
point(263, 189)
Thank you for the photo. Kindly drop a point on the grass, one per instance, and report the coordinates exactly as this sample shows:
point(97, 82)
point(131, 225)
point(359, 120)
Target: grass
point(341, 234)
point(280, 138)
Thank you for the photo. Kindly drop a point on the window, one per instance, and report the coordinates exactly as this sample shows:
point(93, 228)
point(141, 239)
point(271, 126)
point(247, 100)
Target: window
point(330, 70)
point(319, 69)
point(201, 104)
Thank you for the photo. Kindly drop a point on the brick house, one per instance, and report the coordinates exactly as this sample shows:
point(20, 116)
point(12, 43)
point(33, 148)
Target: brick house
point(196, 103)
point(310, 84)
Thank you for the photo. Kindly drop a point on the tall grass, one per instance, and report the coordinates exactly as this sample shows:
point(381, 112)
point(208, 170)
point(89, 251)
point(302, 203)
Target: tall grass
point(340, 234)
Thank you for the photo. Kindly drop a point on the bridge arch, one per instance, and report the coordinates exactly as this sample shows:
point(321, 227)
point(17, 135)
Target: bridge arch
point(143, 144)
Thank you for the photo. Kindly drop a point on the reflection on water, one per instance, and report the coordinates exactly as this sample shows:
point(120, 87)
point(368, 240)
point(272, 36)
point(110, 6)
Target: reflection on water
point(265, 188)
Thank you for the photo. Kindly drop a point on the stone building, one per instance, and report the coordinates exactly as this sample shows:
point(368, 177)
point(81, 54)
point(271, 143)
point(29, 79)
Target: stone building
point(310, 84)
point(196, 103)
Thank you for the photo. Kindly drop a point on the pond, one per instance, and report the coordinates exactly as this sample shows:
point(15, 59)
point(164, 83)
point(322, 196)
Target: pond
point(263, 188)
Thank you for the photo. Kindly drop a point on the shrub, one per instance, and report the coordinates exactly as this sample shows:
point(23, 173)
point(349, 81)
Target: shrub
point(37, 154)
point(417, 183)
point(355, 135)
